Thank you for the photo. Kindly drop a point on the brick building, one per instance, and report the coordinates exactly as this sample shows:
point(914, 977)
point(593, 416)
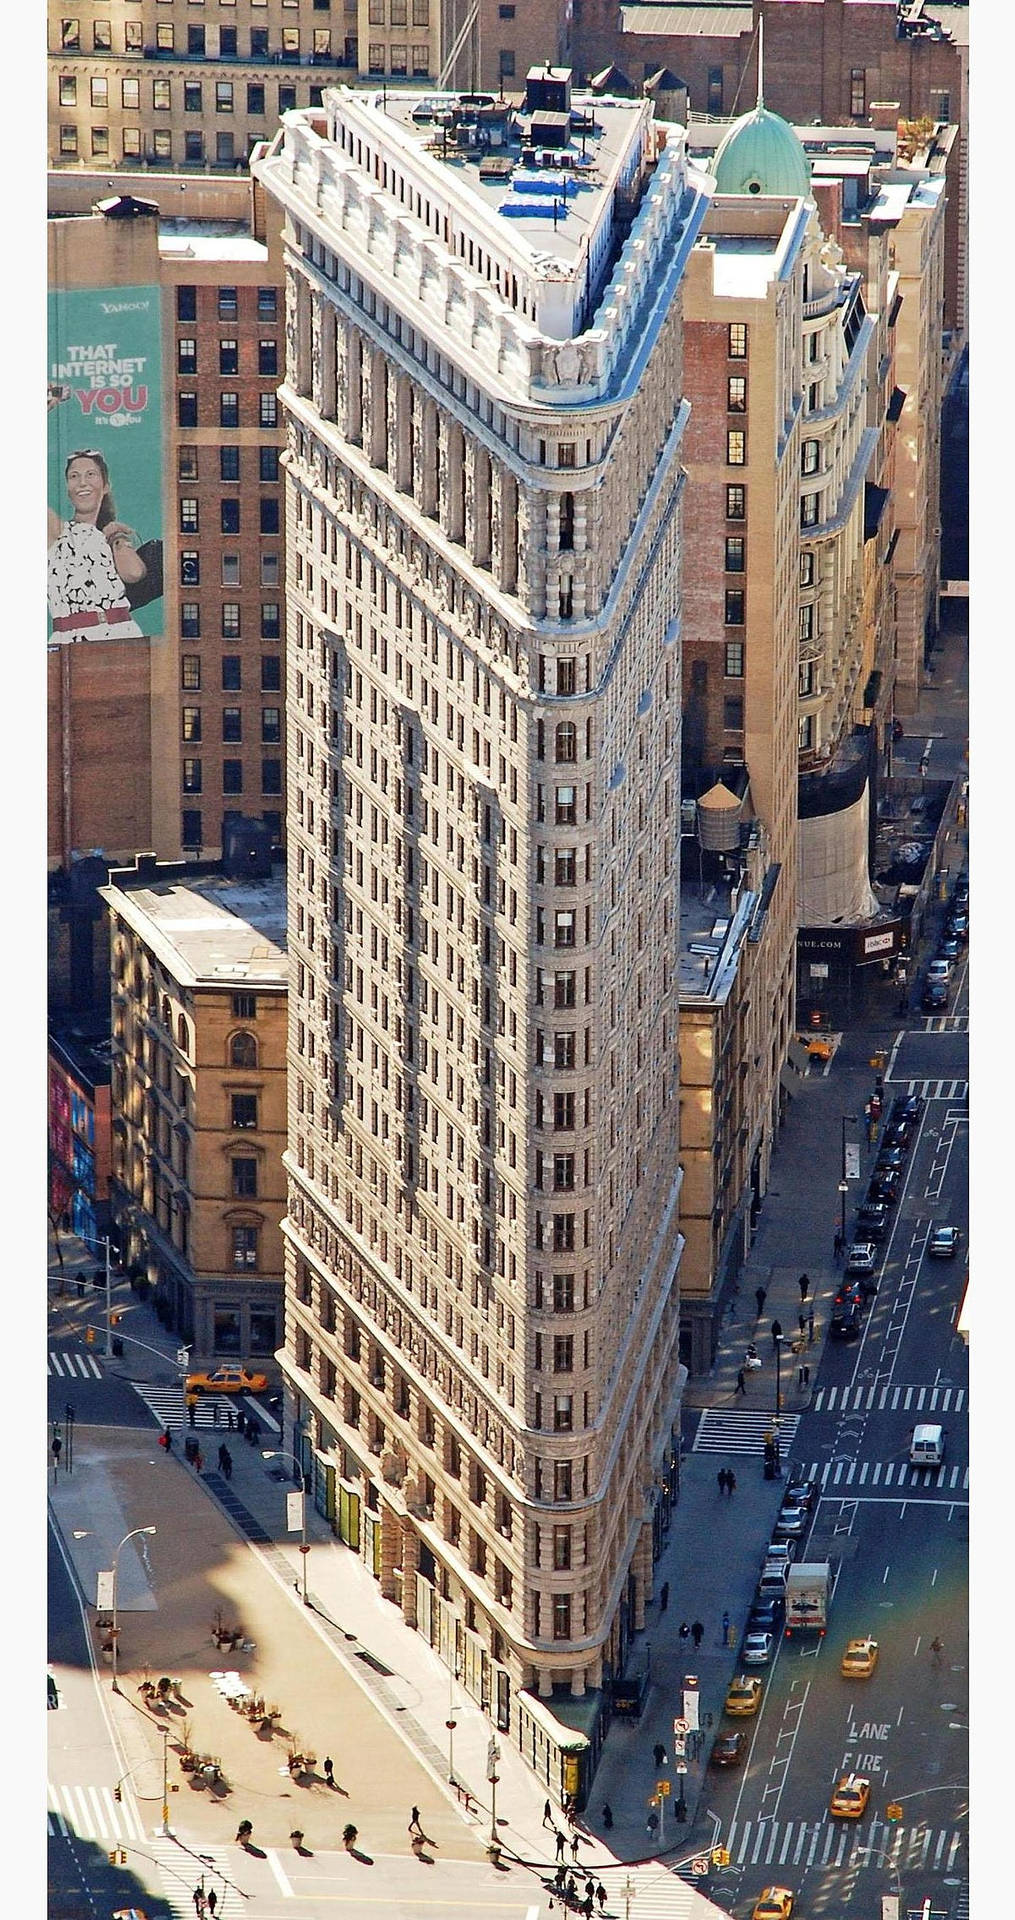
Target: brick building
point(155, 745)
point(199, 992)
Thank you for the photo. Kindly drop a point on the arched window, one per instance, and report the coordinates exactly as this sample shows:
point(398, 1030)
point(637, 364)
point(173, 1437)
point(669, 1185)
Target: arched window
point(182, 1034)
point(167, 1013)
point(243, 1050)
point(566, 741)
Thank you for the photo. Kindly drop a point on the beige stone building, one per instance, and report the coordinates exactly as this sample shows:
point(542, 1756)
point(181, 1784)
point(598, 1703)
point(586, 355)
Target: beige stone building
point(484, 394)
point(199, 998)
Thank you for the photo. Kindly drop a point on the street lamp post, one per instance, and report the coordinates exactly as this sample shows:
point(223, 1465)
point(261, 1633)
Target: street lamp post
point(492, 1757)
point(116, 1567)
point(272, 1453)
point(92, 1240)
point(779, 1337)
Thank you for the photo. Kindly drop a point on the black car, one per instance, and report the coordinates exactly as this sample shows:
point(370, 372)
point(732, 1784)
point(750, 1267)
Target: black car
point(850, 1294)
point(884, 1187)
point(845, 1323)
point(948, 947)
point(766, 1616)
point(889, 1160)
point(800, 1493)
point(872, 1220)
point(907, 1106)
point(934, 998)
point(898, 1133)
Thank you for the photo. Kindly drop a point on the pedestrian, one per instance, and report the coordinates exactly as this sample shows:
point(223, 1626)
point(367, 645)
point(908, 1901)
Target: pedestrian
point(601, 1896)
point(741, 1381)
point(607, 1815)
point(803, 1377)
point(725, 1629)
point(801, 1321)
point(588, 1904)
point(659, 1754)
point(223, 1456)
point(697, 1631)
point(243, 1832)
point(571, 1889)
point(230, 1421)
point(761, 1295)
point(227, 1463)
point(559, 1878)
point(547, 1814)
point(200, 1902)
point(216, 1413)
point(804, 1285)
point(837, 1243)
point(652, 1823)
point(721, 1479)
point(810, 1327)
point(296, 1837)
point(414, 1826)
point(192, 1409)
point(168, 1439)
point(937, 1648)
point(664, 1596)
point(329, 1771)
point(574, 1848)
point(684, 1629)
point(590, 1887)
point(776, 1332)
point(199, 1460)
point(213, 1901)
point(559, 1842)
point(241, 1421)
point(731, 1484)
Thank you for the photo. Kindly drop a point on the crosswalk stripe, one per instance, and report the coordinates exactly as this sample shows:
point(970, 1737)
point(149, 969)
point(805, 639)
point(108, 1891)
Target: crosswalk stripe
point(863, 1471)
point(93, 1813)
point(54, 1365)
point(887, 1399)
point(73, 1366)
point(168, 1404)
point(719, 1431)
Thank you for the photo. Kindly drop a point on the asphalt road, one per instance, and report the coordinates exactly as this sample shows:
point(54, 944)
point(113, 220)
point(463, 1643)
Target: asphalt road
point(898, 1539)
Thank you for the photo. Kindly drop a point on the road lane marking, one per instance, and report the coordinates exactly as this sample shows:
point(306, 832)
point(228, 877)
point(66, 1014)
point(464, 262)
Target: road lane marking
point(284, 1883)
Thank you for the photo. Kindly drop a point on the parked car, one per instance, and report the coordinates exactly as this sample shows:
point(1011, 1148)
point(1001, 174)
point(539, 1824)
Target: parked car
point(943, 1243)
point(862, 1257)
point(898, 1133)
point(728, 1750)
point(757, 1649)
point(872, 1220)
point(934, 998)
point(948, 947)
point(907, 1106)
point(884, 1187)
point(791, 1524)
point(845, 1322)
point(940, 969)
point(779, 1553)
point(801, 1493)
point(958, 924)
point(766, 1615)
point(890, 1160)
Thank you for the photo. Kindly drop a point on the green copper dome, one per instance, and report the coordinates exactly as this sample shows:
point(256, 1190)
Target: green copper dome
point(760, 153)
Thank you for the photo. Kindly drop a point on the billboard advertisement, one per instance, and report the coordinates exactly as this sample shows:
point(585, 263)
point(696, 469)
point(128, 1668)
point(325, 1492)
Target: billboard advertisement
point(104, 415)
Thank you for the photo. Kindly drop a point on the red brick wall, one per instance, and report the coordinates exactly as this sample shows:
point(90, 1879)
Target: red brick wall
point(99, 748)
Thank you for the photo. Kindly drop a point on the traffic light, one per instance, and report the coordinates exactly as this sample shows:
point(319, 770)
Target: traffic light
point(720, 1857)
point(117, 1856)
point(116, 1318)
point(89, 1336)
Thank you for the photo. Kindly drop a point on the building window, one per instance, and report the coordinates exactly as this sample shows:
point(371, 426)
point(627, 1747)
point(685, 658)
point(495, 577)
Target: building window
point(162, 145)
point(562, 1479)
point(255, 99)
point(563, 1413)
point(273, 821)
point(133, 38)
point(188, 515)
point(191, 776)
point(734, 553)
point(223, 96)
point(268, 516)
point(229, 409)
point(268, 410)
point(940, 105)
point(186, 355)
point(102, 36)
point(190, 672)
point(229, 463)
point(190, 627)
point(259, 43)
point(162, 98)
point(192, 723)
point(231, 673)
point(244, 1168)
point(193, 147)
point(805, 678)
point(68, 140)
point(736, 346)
point(857, 92)
point(225, 148)
point(68, 90)
point(805, 733)
point(271, 673)
point(734, 607)
point(192, 97)
point(131, 142)
point(566, 806)
point(271, 726)
point(186, 409)
point(736, 448)
point(229, 357)
point(421, 13)
point(736, 394)
point(270, 620)
point(70, 36)
point(807, 569)
point(244, 1006)
point(271, 776)
point(267, 460)
point(190, 827)
point(420, 62)
point(230, 622)
point(399, 57)
point(806, 619)
point(232, 724)
point(809, 510)
point(286, 99)
point(810, 456)
point(100, 141)
point(263, 1331)
point(561, 1535)
point(243, 1050)
point(244, 1246)
point(565, 867)
point(507, 63)
point(562, 1616)
point(165, 38)
point(227, 303)
point(130, 94)
point(267, 357)
point(230, 569)
point(733, 714)
point(190, 569)
point(733, 665)
point(563, 928)
point(243, 1110)
point(714, 90)
point(229, 515)
point(566, 741)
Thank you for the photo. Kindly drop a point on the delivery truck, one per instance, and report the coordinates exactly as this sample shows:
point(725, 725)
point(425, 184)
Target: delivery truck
point(807, 1590)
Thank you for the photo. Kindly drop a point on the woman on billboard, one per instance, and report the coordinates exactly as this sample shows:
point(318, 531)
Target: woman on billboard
point(96, 576)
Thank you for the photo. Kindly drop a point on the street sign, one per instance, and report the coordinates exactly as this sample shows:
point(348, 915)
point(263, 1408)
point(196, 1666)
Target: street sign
point(851, 1161)
point(681, 1726)
point(700, 1864)
point(104, 1592)
point(182, 1356)
point(889, 1906)
point(294, 1512)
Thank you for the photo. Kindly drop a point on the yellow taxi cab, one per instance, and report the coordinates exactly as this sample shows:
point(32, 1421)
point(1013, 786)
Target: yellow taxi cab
point(859, 1659)
point(818, 1045)
point(227, 1379)
point(744, 1695)
point(851, 1795)
point(773, 1903)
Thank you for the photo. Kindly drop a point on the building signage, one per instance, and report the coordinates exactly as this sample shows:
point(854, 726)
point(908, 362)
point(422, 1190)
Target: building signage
point(105, 465)
point(850, 946)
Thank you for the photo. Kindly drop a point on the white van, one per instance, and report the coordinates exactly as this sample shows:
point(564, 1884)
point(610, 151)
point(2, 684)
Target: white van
point(927, 1447)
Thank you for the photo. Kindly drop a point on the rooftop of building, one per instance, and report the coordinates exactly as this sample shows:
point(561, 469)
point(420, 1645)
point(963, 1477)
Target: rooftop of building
point(918, 20)
point(83, 1046)
point(548, 173)
point(712, 930)
point(209, 930)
